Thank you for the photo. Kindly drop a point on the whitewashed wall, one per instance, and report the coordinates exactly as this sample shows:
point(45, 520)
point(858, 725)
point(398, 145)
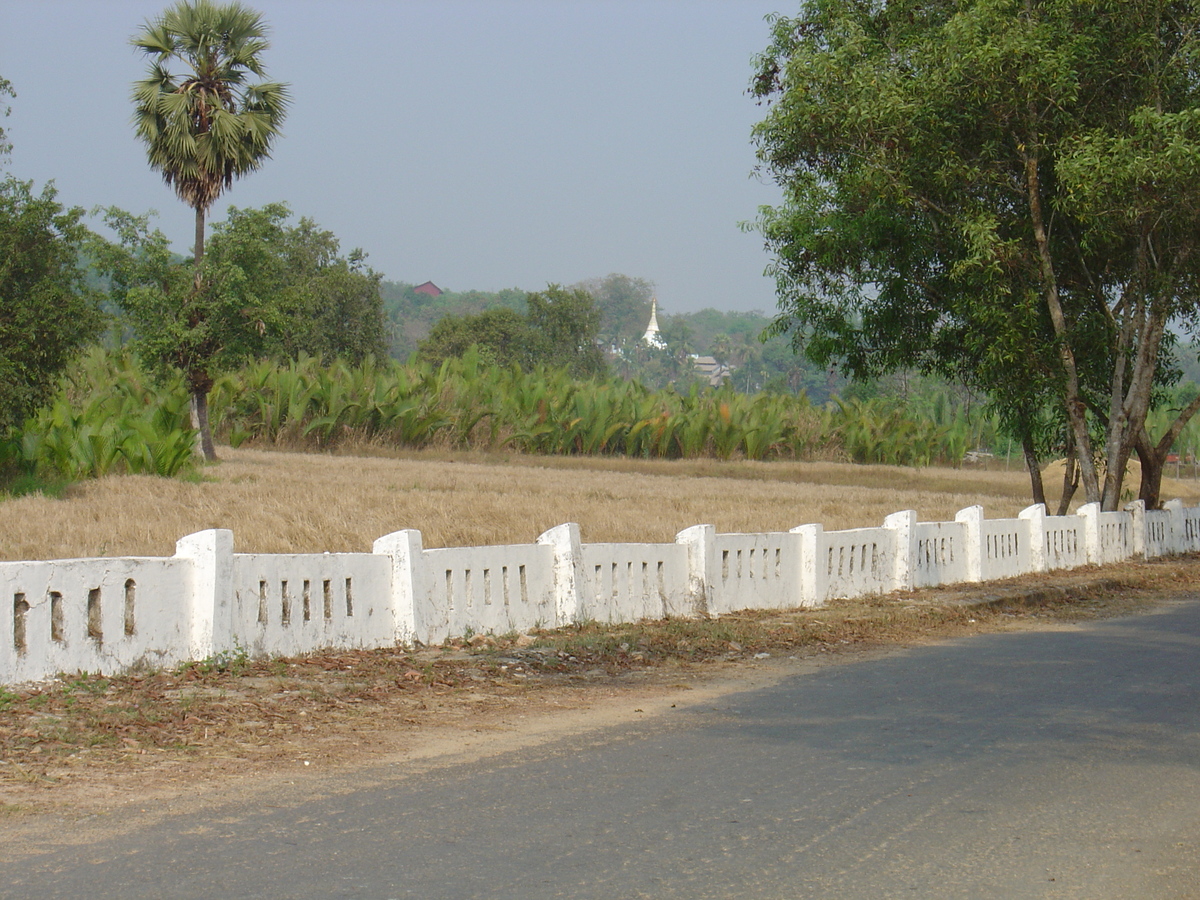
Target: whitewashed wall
point(297, 603)
point(93, 615)
point(112, 615)
point(756, 571)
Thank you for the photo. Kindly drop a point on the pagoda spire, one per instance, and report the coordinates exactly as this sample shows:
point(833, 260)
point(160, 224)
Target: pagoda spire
point(652, 337)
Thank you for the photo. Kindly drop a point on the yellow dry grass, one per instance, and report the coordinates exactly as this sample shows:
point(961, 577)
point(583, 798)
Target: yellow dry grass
point(279, 502)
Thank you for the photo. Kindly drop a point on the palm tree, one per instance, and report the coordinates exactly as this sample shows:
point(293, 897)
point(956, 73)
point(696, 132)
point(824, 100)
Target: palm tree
point(202, 124)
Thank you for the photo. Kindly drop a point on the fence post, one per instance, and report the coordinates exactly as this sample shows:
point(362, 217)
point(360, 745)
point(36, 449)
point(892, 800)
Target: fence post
point(902, 525)
point(211, 597)
point(972, 518)
point(409, 591)
point(1035, 517)
point(571, 603)
point(1137, 514)
point(1178, 542)
point(700, 541)
point(1090, 513)
point(813, 567)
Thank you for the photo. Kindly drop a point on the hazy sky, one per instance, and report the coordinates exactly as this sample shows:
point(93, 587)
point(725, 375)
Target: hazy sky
point(485, 144)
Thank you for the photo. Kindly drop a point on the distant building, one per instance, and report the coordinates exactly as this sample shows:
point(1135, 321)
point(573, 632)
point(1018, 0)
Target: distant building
point(652, 338)
point(709, 368)
point(429, 289)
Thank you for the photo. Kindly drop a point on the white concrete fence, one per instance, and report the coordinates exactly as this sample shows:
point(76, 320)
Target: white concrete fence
point(111, 615)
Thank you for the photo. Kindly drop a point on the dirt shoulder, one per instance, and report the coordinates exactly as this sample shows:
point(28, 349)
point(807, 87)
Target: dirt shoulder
point(81, 749)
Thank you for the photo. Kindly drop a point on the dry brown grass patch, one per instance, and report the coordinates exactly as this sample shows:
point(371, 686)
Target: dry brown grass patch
point(278, 502)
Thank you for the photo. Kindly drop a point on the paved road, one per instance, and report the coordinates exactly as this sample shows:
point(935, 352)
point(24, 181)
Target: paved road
point(1037, 765)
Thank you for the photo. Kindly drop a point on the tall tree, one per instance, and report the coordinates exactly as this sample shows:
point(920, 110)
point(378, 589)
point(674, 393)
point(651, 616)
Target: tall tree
point(1003, 191)
point(565, 324)
point(47, 310)
point(624, 305)
point(202, 123)
point(324, 303)
point(558, 330)
point(501, 336)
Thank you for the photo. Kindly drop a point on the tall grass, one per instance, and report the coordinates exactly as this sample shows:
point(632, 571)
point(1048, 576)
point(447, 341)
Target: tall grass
point(463, 404)
point(106, 416)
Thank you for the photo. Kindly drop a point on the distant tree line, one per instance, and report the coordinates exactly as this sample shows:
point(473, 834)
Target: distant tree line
point(559, 329)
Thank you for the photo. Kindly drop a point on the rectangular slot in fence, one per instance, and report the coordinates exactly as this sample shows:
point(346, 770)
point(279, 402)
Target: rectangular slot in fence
point(130, 619)
point(57, 629)
point(95, 624)
point(20, 614)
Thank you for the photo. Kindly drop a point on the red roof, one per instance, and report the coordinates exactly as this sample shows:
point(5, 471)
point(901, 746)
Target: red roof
point(429, 288)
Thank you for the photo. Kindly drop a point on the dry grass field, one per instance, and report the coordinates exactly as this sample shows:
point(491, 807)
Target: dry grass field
point(277, 502)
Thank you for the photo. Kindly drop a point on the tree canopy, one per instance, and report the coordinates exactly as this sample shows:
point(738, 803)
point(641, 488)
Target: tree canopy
point(559, 330)
point(203, 125)
point(1003, 191)
point(270, 289)
point(47, 311)
point(322, 303)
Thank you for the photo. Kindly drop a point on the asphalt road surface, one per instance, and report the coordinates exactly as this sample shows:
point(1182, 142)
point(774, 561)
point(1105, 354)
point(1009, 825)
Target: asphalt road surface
point(1026, 765)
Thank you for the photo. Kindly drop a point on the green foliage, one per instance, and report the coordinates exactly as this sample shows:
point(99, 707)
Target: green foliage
point(47, 311)
point(179, 325)
point(1004, 193)
point(410, 315)
point(106, 416)
point(465, 404)
point(559, 329)
point(501, 336)
point(316, 301)
point(111, 416)
point(565, 325)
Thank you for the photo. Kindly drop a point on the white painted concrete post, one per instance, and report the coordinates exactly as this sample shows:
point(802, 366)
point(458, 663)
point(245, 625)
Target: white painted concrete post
point(409, 589)
point(813, 569)
point(700, 541)
point(572, 600)
point(1035, 516)
point(211, 597)
point(1178, 537)
point(972, 518)
point(1090, 513)
point(902, 525)
point(1137, 513)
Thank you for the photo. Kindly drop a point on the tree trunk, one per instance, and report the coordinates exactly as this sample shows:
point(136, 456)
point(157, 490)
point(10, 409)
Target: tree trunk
point(199, 384)
point(1151, 487)
point(198, 248)
point(1153, 462)
point(1035, 471)
point(1076, 409)
point(1070, 485)
point(199, 381)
